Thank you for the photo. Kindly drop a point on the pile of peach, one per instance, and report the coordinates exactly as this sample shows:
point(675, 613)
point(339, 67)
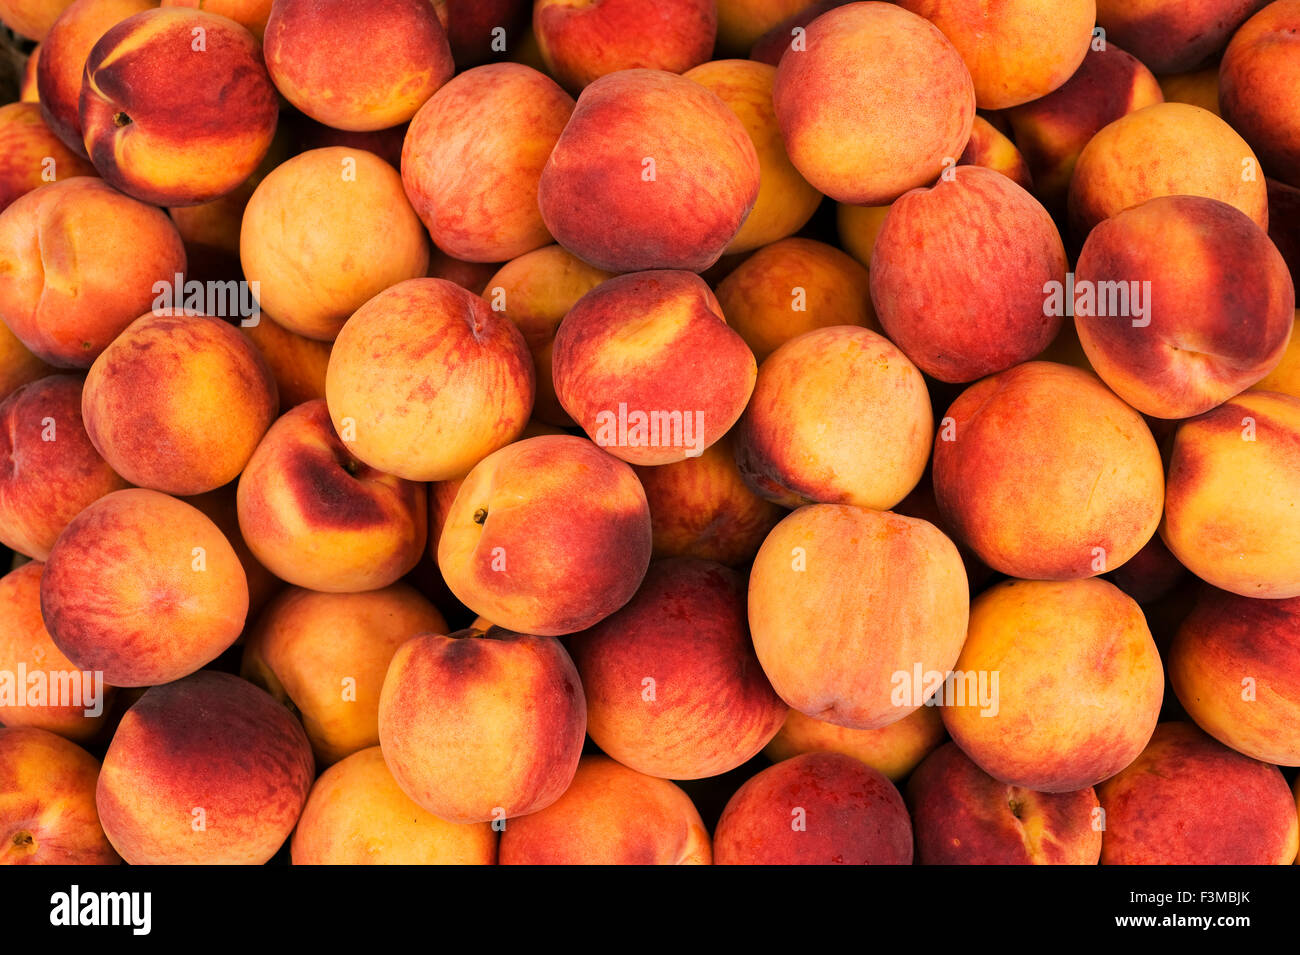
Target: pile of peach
point(673, 432)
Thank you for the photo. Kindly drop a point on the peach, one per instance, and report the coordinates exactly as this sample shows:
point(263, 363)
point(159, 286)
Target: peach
point(479, 29)
point(1150, 574)
point(858, 228)
point(356, 814)
point(1016, 50)
point(958, 275)
point(30, 155)
point(673, 687)
point(922, 103)
point(839, 416)
point(1199, 88)
point(1285, 376)
point(893, 750)
point(1232, 514)
point(1169, 149)
point(474, 155)
point(357, 68)
point(47, 802)
point(583, 41)
point(318, 517)
point(843, 600)
point(785, 200)
point(989, 148)
point(1058, 685)
point(425, 380)
point(303, 228)
point(297, 363)
point(18, 366)
point(31, 18)
point(29, 92)
point(549, 535)
point(653, 171)
point(647, 365)
point(1045, 474)
point(471, 276)
point(791, 287)
point(921, 504)
point(178, 403)
point(1188, 800)
point(139, 136)
point(54, 695)
point(508, 746)
point(963, 816)
point(610, 815)
point(79, 262)
point(1217, 304)
point(771, 45)
point(172, 594)
point(221, 507)
point(1173, 36)
point(306, 134)
point(249, 14)
point(51, 470)
point(325, 655)
point(207, 770)
point(815, 809)
point(1258, 83)
point(535, 291)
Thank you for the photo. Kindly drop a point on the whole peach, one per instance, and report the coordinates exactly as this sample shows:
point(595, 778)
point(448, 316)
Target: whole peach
point(1259, 86)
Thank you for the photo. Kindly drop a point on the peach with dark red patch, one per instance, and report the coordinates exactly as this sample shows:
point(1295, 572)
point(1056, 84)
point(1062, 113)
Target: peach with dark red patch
point(1259, 86)
point(30, 155)
point(1173, 36)
point(894, 750)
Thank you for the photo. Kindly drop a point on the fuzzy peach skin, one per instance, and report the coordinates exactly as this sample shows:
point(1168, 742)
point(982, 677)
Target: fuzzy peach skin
point(1188, 800)
point(297, 363)
point(584, 40)
point(874, 105)
point(785, 199)
point(1168, 149)
point(1232, 514)
point(31, 18)
point(1285, 376)
point(654, 348)
point(30, 155)
point(535, 291)
point(610, 815)
point(78, 263)
point(356, 814)
point(473, 157)
point(653, 171)
point(62, 66)
point(318, 517)
point(1173, 36)
point(208, 770)
point(673, 687)
point(47, 802)
point(963, 816)
point(1016, 50)
point(303, 229)
point(858, 228)
point(18, 366)
point(815, 809)
point(1219, 304)
point(1233, 664)
point(958, 275)
point(1259, 86)
point(169, 596)
point(482, 726)
point(549, 535)
point(894, 750)
point(989, 148)
point(794, 286)
point(249, 14)
point(702, 508)
point(742, 22)
point(429, 380)
point(472, 27)
point(1045, 474)
point(842, 599)
point(325, 655)
point(178, 403)
point(839, 416)
point(50, 469)
point(1079, 684)
point(139, 135)
point(69, 701)
point(357, 68)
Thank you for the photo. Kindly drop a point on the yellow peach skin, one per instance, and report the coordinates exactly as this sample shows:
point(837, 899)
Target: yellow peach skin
point(894, 750)
point(31, 156)
point(298, 364)
point(31, 18)
point(1285, 376)
point(250, 14)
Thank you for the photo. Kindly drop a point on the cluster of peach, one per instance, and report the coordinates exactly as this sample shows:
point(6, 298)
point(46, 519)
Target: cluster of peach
point(735, 411)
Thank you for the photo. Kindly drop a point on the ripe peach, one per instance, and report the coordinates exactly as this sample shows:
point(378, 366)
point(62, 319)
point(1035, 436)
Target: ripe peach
point(858, 228)
point(1173, 36)
point(921, 95)
point(1285, 376)
point(30, 155)
point(297, 363)
point(653, 171)
point(893, 750)
point(988, 147)
point(31, 18)
point(1259, 86)
point(221, 507)
point(207, 770)
point(249, 14)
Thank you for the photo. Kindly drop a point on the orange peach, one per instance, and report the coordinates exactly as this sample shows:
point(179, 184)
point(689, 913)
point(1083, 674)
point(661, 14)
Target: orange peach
point(508, 746)
point(742, 22)
point(989, 148)
point(1045, 474)
point(610, 815)
point(1188, 800)
point(858, 228)
point(1259, 86)
point(18, 366)
point(1232, 514)
point(894, 750)
point(647, 365)
point(207, 770)
point(653, 171)
point(839, 416)
point(221, 507)
point(249, 14)
point(31, 18)
point(1284, 223)
point(30, 155)
point(318, 517)
point(922, 103)
point(1199, 88)
point(1173, 36)
point(1285, 376)
point(297, 363)
point(29, 92)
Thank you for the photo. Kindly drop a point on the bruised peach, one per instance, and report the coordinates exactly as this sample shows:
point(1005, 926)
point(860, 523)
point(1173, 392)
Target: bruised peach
point(893, 750)
point(1259, 86)
point(30, 155)
point(1173, 36)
